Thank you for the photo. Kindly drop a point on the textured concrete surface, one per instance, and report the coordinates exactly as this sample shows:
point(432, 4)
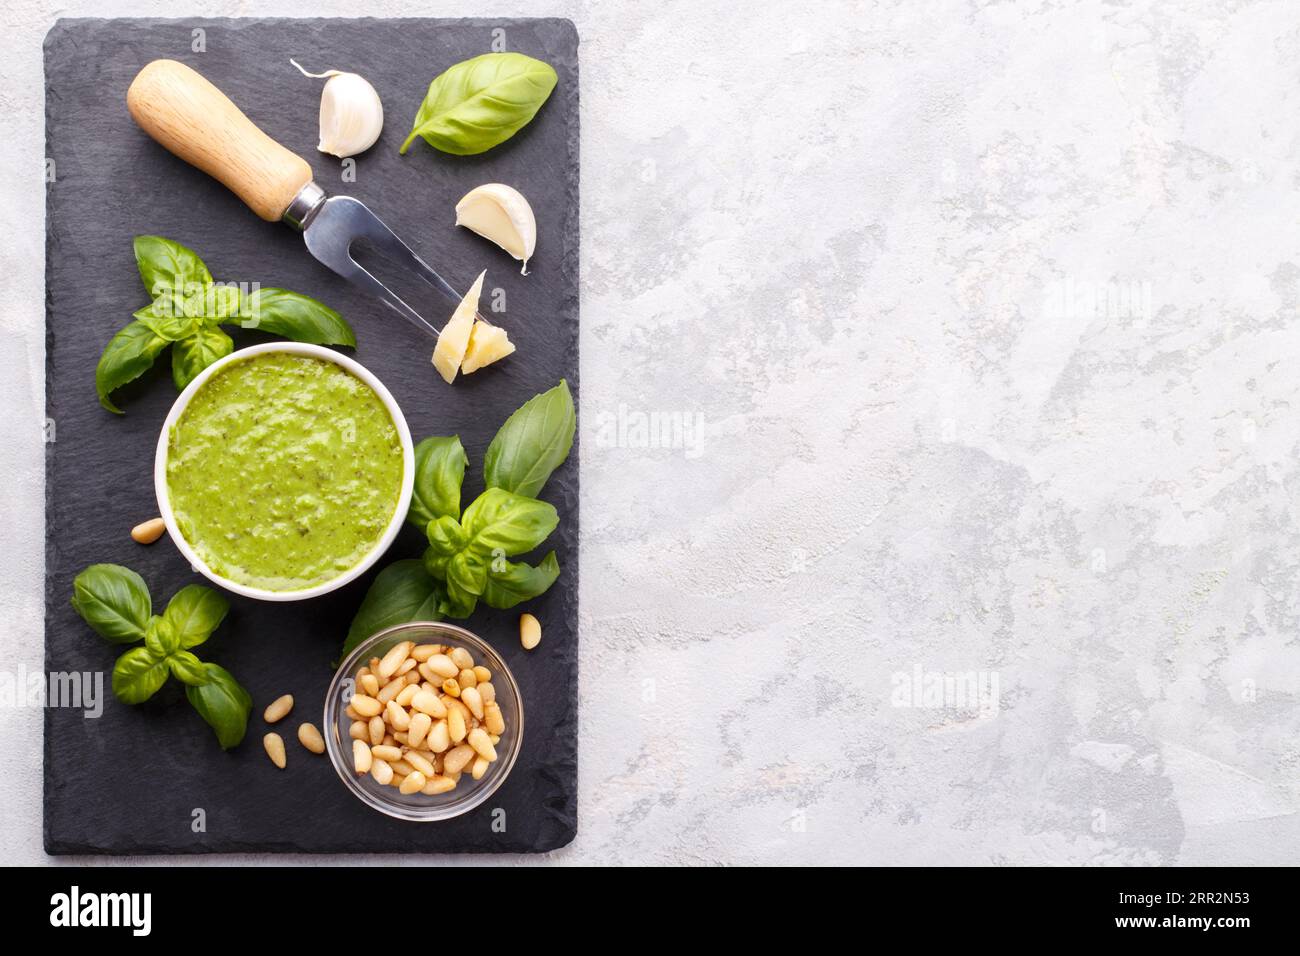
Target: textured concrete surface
point(968, 326)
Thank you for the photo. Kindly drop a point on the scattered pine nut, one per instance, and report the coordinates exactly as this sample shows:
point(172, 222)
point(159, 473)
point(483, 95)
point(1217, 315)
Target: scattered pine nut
point(310, 738)
point(278, 709)
point(147, 532)
point(530, 631)
point(274, 745)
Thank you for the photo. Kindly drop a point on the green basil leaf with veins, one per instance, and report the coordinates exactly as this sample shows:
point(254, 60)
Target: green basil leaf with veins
point(501, 524)
point(439, 470)
point(173, 328)
point(187, 668)
point(467, 572)
point(114, 601)
point(401, 593)
point(458, 602)
point(214, 304)
point(223, 703)
point(165, 265)
point(161, 638)
point(518, 582)
point(435, 564)
point(194, 612)
point(297, 317)
point(138, 674)
point(128, 355)
point(532, 443)
point(192, 355)
point(446, 536)
point(481, 102)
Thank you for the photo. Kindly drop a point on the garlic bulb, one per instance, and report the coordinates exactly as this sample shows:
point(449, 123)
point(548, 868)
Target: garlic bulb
point(351, 116)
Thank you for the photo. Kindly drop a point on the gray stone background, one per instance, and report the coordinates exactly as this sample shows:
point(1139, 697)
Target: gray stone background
point(973, 328)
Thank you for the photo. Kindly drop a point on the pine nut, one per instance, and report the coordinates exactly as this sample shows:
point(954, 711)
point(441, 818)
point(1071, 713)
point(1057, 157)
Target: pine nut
point(274, 745)
point(478, 768)
point(466, 678)
point(358, 730)
point(397, 717)
point(455, 761)
point(482, 673)
point(352, 712)
point(389, 754)
point(493, 719)
point(407, 666)
point(377, 730)
point(429, 703)
point(310, 738)
point(473, 701)
point(451, 687)
point(361, 757)
point(422, 652)
point(428, 673)
point(486, 692)
point(413, 783)
point(456, 728)
point(419, 763)
point(366, 706)
point(382, 772)
point(439, 738)
point(400, 738)
point(390, 691)
point(437, 785)
point(388, 741)
point(147, 532)
point(530, 631)
point(278, 709)
point(442, 666)
point(394, 659)
point(406, 696)
point(401, 768)
point(420, 724)
point(460, 657)
point(369, 683)
point(478, 739)
point(494, 738)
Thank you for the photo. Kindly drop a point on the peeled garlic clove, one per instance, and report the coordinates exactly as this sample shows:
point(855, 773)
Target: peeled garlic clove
point(501, 214)
point(351, 115)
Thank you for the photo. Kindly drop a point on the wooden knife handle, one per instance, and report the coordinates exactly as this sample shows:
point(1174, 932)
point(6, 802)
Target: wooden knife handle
point(196, 121)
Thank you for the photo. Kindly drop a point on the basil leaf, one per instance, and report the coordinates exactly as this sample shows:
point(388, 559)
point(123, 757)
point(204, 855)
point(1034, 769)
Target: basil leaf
point(501, 524)
point(173, 328)
point(128, 355)
point(446, 536)
point(192, 355)
point(161, 639)
point(532, 443)
point(137, 675)
point(165, 264)
point(458, 602)
point(481, 102)
point(467, 572)
point(401, 593)
point(223, 703)
point(435, 564)
point(519, 582)
point(439, 470)
point(114, 601)
point(194, 612)
point(297, 317)
point(187, 668)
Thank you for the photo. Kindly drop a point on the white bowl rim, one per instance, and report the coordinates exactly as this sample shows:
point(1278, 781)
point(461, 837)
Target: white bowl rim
point(399, 514)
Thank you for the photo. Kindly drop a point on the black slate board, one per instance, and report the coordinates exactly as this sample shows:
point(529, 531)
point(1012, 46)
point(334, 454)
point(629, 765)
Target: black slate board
point(142, 779)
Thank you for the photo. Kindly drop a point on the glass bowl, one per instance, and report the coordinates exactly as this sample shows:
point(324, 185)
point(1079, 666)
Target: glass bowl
point(469, 793)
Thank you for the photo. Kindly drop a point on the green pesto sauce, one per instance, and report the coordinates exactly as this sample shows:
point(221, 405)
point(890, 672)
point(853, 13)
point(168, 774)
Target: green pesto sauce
point(284, 471)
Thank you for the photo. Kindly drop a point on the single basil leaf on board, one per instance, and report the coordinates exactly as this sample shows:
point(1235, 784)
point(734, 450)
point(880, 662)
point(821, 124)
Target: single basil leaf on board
point(297, 317)
point(439, 470)
point(138, 674)
point(532, 443)
point(401, 593)
point(194, 612)
point(519, 582)
point(161, 639)
point(192, 355)
point(187, 668)
point(223, 703)
point(501, 524)
point(481, 102)
point(165, 264)
point(128, 355)
point(114, 601)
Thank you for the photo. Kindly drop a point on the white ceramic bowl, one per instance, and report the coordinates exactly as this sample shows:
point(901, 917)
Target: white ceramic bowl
point(403, 502)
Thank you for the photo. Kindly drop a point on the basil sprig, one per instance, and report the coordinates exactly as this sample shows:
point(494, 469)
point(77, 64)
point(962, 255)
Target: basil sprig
point(187, 313)
point(115, 602)
point(467, 559)
point(481, 102)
